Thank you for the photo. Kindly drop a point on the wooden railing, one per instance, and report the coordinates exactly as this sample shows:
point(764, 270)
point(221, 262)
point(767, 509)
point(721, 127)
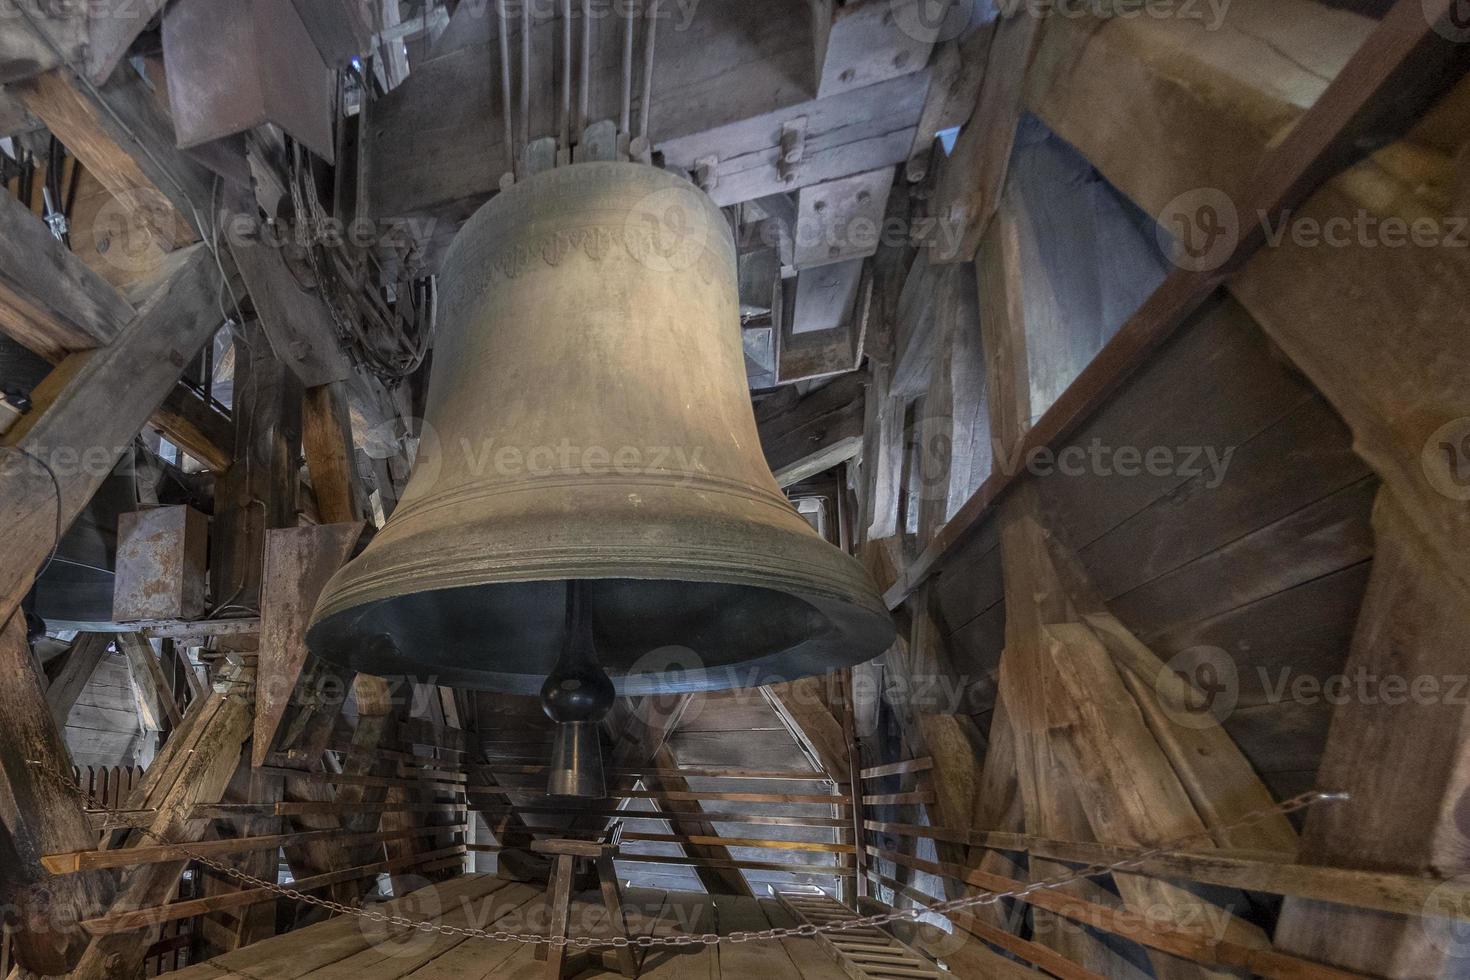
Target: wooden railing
point(1272, 873)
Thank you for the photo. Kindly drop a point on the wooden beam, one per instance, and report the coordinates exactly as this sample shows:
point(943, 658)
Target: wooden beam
point(969, 186)
point(258, 492)
point(816, 433)
point(297, 322)
point(1323, 307)
point(1405, 763)
point(128, 922)
point(124, 138)
point(1403, 65)
point(130, 857)
point(754, 819)
point(298, 563)
point(195, 766)
point(77, 666)
point(326, 436)
point(161, 710)
point(86, 414)
point(196, 427)
point(802, 709)
point(40, 814)
point(50, 301)
point(757, 842)
point(52, 304)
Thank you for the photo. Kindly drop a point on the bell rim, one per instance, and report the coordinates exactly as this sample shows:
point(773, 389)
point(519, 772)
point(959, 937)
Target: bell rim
point(857, 632)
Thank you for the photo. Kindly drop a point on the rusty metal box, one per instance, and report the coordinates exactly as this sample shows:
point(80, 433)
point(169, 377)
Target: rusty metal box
point(234, 65)
point(162, 555)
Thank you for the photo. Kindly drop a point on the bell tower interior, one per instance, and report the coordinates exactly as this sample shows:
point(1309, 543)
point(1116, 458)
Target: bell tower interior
point(869, 489)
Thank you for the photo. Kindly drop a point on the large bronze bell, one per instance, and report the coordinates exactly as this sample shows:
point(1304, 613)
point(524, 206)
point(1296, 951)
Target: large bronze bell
point(588, 421)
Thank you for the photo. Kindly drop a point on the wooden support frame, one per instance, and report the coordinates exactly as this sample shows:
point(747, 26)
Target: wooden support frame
point(133, 375)
point(1405, 63)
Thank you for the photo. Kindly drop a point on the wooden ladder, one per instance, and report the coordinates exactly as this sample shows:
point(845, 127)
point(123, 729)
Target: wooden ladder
point(863, 954)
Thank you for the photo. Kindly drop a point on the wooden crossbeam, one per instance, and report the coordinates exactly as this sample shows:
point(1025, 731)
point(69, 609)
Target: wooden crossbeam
point(717, 841)
point(129, 857)
point(753, 819)
point(710, 796)
point(704, 772)
point(898, 768)
point(125, 922)
point(89, 409)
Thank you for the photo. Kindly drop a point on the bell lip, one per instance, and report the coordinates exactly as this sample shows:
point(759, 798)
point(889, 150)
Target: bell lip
point(858, 632)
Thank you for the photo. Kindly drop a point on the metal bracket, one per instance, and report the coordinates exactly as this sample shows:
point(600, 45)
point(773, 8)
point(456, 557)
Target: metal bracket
point(707, 173)
point(792, 148)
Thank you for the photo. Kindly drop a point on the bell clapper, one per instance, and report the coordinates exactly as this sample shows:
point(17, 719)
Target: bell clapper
point(577, 695)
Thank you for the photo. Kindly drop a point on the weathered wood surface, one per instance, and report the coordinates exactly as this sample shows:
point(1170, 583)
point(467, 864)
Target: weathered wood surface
point(298, 563)
point(50, 302)
point(817, 432)
point(195, 766)
point(41, 814)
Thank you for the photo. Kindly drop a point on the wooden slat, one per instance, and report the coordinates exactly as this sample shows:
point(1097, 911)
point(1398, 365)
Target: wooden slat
point(50, 301)
point(707, 796)
point(128, 857)
point(898, 768)
point(770, 845)
point(754, 819)
point(120, 922)
point(703, 772)
point(922, 798)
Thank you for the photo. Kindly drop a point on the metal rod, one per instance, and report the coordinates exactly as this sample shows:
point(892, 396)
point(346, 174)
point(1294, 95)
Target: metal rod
point(625, 115)
point(586, 107)
point(648, 37)
point(364, 124)
point(505, 94)
point(566, 75)
point(525, 75)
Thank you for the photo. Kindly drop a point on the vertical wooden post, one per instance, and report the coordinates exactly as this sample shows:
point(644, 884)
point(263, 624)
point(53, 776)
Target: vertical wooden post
point(854, 787)
point(40, 816)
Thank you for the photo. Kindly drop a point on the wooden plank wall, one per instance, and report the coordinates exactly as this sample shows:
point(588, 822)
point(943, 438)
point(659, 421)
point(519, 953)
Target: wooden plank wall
point(1253, 538)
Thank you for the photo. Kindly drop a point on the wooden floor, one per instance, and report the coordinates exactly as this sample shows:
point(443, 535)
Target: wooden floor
point(353, 949)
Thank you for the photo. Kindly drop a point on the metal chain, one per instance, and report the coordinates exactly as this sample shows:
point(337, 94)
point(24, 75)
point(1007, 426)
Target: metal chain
point(1135, 862)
